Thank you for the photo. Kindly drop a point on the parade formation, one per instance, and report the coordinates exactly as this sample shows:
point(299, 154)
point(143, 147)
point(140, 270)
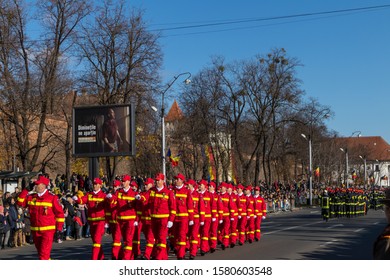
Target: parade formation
point(349, 202)
point(186, 216)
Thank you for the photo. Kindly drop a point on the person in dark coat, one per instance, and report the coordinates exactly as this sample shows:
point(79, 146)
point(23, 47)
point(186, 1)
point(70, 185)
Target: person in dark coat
point(4, 227)
point(4, 240)
point(12, 219)
point(69, 214)
point(382, 244)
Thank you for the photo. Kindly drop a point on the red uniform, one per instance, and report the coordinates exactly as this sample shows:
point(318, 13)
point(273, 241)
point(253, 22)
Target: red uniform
point(199, 217)
point(162, 206)
point(114, 229)
point(216, 216)
point(126, 208)
point(46, 216)
point(96, 203)
point(233, 218)
point(250, 224)
point(225, 211)
point(184, 214)
point(242, 217)
point(207, 200)
point(260, 210)
point(146, 225)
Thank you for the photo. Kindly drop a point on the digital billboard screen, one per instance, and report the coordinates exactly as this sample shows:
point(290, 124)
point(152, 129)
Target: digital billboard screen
point(107, 130)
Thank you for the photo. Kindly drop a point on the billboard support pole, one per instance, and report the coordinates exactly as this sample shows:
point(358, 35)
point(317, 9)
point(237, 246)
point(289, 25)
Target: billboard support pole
point(93, 167)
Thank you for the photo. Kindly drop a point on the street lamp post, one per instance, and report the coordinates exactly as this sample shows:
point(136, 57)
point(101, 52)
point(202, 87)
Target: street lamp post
point(346, 165)
point(187, 81)
point(310, 169)
point(365, 170)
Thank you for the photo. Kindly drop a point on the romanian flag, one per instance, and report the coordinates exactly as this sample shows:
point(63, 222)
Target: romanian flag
point(317, 172)
point(210, 156)
point(174, 160)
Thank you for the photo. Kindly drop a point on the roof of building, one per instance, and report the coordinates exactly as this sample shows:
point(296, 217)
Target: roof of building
point(371, 147)
point(175, 113)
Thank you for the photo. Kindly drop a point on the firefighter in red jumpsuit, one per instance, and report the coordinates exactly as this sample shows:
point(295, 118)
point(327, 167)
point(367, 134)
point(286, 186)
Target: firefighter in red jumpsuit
point(96, 203)
point(116, 253)
point(145, 223)
point(215, 204)
point(126, 216)
point(162, 207)
point(250, 225)
point(199, 217)
point(207, 199)
point(184, 216)
point(260, 209)
point(233, 215)
point(137, 229)
point(46, 215)
point(242, 213)
point(224, 224)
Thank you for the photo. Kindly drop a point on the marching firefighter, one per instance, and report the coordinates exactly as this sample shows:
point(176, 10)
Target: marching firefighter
point(162, 207)
point(260, 211)
point(224, 223)
point(96, 203)
point(242, 200)
point(205, 230)
point(325, 206)
point(115, 230)
point(216, 217)
point(146, 221)
point(126, 216)
point(46, 215)
point(233, 215)
point(199, 213)
point(250, 220)
point(137, 229)
point(184, 216)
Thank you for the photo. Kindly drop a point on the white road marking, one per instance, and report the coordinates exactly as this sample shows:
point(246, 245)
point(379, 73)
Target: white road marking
point(329, 242)
point(338, 225)
point(360, 229)
point(289, 228)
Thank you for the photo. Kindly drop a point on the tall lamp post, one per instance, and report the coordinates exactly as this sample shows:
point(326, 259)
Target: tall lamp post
point(325, 113)
point(365, 170)
point(308, 138)
point(346, 165)
point(186, 81)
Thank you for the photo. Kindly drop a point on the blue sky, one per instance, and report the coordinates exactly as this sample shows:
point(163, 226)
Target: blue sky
point(345, 56)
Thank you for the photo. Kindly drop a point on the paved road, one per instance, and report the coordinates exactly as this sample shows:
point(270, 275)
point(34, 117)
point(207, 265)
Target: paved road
point(286, 236)
point(302, 235)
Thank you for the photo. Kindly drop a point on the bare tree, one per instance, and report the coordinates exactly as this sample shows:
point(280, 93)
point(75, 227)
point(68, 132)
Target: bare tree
point(121, 59)
point(30, 71)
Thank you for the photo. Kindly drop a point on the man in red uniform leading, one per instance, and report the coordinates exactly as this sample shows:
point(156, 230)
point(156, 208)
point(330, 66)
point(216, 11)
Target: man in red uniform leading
point(96, 203)
point(162, 207)
point(46, 215)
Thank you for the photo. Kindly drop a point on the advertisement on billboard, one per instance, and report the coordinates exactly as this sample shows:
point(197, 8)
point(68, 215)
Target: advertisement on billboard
point(104, 131)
